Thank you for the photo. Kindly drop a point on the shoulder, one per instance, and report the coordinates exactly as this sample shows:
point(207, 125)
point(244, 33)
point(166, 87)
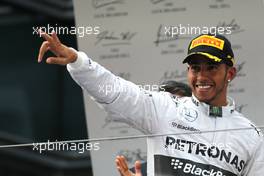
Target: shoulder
point(244, 122)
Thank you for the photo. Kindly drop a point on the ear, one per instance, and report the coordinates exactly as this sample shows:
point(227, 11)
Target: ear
point(231, 73)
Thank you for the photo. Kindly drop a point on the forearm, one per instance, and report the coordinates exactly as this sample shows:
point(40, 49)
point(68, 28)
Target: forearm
point(93, 78)
point(121, 98)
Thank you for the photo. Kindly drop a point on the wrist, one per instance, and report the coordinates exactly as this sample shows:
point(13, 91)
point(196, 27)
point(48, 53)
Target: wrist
point(73, 55)
point(78, 62)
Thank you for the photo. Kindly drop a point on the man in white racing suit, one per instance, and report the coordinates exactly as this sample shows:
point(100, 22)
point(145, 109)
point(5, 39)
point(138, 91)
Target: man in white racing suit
point(203, 135)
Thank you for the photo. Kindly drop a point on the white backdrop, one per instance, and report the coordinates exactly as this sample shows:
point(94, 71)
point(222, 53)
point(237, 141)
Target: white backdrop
point(132, 46)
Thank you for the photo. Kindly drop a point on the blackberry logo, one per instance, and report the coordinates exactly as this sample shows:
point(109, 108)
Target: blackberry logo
point(167, 165)
point(194, 169)
point(176, 164)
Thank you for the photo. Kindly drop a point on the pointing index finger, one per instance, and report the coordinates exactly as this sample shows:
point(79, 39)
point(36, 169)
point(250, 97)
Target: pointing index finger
point(55, 37)
point(46, 36)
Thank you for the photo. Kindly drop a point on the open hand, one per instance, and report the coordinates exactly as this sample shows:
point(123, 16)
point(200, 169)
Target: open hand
point(64, 54)
point(121, 165)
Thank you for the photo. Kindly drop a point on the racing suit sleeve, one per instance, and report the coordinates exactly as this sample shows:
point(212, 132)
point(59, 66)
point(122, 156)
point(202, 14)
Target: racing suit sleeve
point(255, 166)
point(124, 99)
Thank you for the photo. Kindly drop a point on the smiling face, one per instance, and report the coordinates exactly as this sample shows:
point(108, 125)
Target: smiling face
point(209, 80)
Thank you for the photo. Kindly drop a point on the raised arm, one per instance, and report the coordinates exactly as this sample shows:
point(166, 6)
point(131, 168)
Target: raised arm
point(123, 99)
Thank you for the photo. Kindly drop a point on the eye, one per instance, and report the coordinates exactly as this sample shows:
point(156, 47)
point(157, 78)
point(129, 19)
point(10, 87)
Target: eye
point(212, 67)
point(195, 68)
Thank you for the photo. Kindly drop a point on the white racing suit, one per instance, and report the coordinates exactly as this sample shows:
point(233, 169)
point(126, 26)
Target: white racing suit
point(216, 152)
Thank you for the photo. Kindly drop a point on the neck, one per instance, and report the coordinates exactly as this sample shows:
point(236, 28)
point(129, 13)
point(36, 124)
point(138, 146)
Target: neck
point(222, 103)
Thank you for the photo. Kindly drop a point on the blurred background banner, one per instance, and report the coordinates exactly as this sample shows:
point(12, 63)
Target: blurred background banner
point(38, 102)
point(134, 43)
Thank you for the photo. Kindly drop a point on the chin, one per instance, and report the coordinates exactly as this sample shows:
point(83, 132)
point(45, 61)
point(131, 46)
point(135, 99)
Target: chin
point(203, 98)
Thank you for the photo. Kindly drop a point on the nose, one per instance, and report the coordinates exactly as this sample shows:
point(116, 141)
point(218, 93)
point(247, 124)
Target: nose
point(203, 73)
